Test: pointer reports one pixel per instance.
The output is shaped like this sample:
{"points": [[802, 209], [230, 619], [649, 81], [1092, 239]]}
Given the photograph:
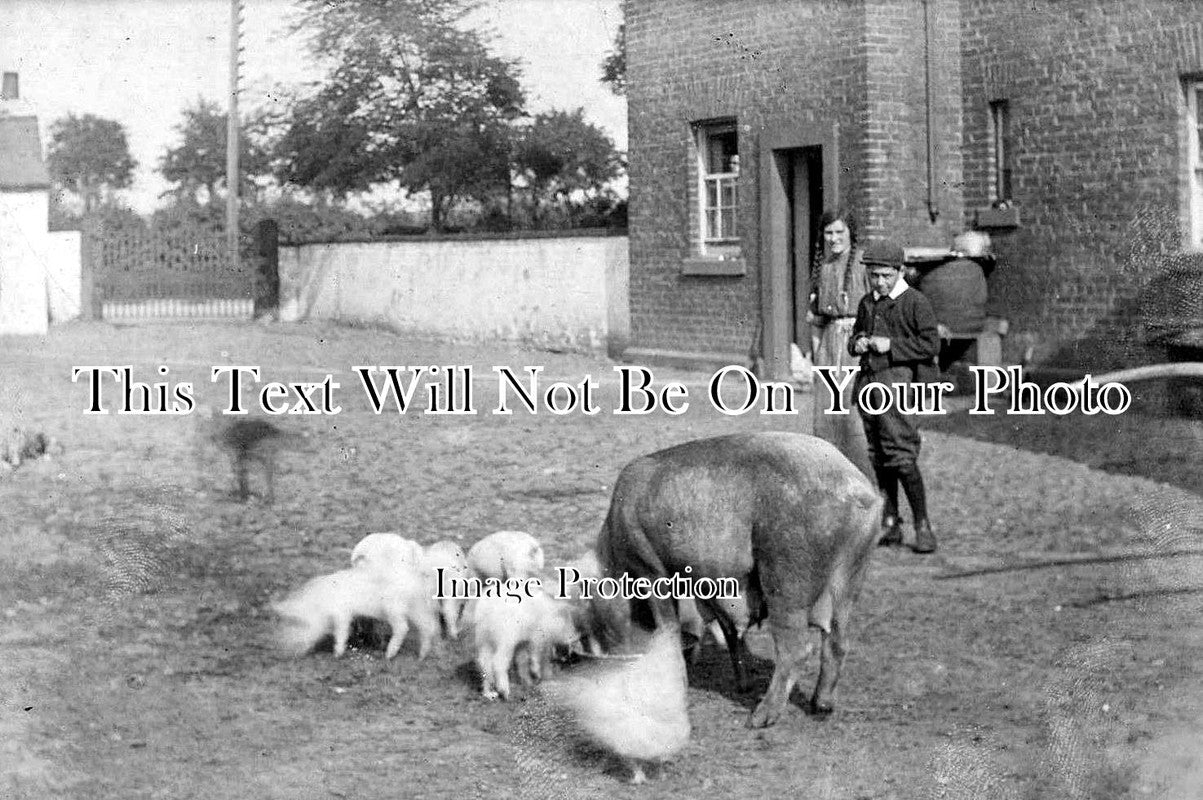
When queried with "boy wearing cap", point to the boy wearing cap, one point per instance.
{"points": [[897, 338]]}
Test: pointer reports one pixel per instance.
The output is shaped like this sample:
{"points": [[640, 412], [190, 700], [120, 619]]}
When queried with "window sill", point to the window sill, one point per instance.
{"points": [[712, 265], [998, 218]]}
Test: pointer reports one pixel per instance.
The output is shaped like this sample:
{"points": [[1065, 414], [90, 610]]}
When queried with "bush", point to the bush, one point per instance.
{"points": [[189, 215], [303, 222]]}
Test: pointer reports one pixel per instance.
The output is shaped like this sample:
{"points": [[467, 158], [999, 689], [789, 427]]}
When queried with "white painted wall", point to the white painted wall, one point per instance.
{"points": [[63, 275], [24, 249], [570, 290]]}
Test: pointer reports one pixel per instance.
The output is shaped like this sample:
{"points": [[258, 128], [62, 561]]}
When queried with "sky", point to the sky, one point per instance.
{"points": [[141, 62]]}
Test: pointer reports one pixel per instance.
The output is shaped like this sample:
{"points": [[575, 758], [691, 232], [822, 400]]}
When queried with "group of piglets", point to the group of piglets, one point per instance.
{"points": [[635, 707], [396, 580]]}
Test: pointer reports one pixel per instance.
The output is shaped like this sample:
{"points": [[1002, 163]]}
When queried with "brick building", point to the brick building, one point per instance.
{"points": [[1069, 129]]}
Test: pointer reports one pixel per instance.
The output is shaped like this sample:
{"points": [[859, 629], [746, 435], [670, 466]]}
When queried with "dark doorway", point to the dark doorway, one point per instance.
{"points": [[804, 179], [797, 179]]}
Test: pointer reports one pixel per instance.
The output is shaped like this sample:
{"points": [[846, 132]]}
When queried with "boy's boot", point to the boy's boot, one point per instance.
{"points": [[925, 540], [916, 495], [891, 525]]}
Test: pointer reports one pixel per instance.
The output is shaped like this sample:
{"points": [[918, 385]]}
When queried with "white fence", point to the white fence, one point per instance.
{"points": [[568, 290], [176, 309]]}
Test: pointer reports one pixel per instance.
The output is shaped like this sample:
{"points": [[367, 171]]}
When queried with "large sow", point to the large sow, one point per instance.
{"points": [[786, 515]]}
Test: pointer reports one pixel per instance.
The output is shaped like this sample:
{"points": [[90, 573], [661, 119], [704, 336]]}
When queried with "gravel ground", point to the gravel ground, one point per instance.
{"points": [[1050, 648]]}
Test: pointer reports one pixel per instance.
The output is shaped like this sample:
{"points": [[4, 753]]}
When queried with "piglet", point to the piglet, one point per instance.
{"points": [[385, 550], [506, 627], [449, 557], [326, 605], [506, 554]]}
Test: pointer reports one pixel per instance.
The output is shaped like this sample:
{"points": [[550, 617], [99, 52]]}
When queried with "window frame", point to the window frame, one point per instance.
{"points": [[723, 241], [1000, 151], [1193, 87]]}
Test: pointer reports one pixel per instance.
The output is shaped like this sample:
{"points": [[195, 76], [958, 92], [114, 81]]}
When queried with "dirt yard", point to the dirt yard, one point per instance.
{"points": [[1051, 648]]}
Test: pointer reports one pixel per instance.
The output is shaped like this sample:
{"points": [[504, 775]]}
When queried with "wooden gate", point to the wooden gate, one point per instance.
{"points": [[178, 273]]}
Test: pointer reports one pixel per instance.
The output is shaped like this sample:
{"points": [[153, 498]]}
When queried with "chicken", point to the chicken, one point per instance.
{"points": [[635, 709]]}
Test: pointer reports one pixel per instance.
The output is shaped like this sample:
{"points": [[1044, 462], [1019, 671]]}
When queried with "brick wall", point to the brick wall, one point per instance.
{"points": [[894, 144], [857, 64], [1097, 133], [1096, 124], [692, 60]]}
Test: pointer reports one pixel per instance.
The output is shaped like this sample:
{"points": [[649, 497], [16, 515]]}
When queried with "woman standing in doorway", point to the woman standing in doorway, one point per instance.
{"points": [[838, 283]]}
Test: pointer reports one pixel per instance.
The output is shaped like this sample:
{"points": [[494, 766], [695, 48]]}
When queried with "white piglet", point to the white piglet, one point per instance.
{"points": [[584, 567], [384, 550], [526, 628], [449, 557], [506, 554], [326, 605]]}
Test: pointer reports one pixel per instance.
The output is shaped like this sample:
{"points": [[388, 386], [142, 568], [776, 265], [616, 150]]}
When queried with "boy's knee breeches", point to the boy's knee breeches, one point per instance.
{"points": [[894, 439]]}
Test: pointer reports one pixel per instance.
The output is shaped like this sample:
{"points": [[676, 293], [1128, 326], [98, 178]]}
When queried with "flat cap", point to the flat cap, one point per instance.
{"points": [[882, 254]]}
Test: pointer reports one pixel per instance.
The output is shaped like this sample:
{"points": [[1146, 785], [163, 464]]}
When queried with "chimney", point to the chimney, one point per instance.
{"points": [[9, 90]]}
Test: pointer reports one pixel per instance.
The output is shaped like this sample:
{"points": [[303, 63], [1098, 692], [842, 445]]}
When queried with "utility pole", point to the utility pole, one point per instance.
{"points": [[232, 130]]}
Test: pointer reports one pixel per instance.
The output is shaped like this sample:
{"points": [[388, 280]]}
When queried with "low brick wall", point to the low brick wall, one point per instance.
{"points": [[561, 291]]}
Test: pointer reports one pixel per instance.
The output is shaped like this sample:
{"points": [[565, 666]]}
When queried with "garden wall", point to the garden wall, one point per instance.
{"points": [[564, 290]]}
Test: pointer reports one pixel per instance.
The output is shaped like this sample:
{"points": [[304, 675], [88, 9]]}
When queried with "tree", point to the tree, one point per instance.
{"points": [[614, 68], [89, 155], [561, 155], [411, 97], [199, 161], [324, 144]]}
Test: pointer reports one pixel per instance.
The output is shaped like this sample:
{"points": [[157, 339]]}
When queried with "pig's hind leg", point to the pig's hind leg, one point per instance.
{"points": [[342, 633], [488, 678], [736, 647], [792, 646], [400, 627], [502, 658], [526, 664], [834, 608], [428, 631], [449, 617]]}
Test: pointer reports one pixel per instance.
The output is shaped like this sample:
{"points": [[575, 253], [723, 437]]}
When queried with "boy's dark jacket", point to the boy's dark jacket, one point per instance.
{"points": [[910, 324]]}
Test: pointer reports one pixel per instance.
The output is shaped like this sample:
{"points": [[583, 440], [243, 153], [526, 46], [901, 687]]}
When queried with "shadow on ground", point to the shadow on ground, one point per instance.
{"points": [[1164, 449]]}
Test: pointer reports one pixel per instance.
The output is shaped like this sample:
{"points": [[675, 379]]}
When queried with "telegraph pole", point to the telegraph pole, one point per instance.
{"points": [[232, 130]]}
